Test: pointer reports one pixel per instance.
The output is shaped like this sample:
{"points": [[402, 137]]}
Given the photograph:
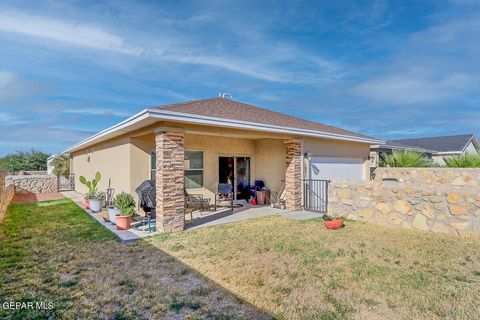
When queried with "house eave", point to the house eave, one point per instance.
{"points": [[416, 149], [255, 126], [447, 153], [155, 114]]}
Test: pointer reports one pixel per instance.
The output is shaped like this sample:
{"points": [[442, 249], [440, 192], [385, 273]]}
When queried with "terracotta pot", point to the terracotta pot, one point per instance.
{"points": [[123, 222], [87, 203], [334, 224]]}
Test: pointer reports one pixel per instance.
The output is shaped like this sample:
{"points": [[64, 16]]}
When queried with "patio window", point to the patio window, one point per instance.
{"points": [[193, 169]]}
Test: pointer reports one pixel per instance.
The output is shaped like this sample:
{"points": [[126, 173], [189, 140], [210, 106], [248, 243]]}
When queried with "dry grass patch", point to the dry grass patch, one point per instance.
{"points": [[299, 270], [291, 270], [52, 251]]}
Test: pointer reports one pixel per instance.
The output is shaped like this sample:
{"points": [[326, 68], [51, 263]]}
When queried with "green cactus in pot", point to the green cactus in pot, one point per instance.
{"points": [[91, 184]]}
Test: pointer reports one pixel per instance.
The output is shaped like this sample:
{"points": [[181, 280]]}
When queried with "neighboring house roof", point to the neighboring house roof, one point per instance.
{"points": [[230, 109], [393, 145], [226, 113], [443, 144]]}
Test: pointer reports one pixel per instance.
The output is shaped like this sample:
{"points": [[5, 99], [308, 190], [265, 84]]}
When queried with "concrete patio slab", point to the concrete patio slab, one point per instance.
{"points": [[246, 213], [200, 220], [37, 197], [123, 235]]}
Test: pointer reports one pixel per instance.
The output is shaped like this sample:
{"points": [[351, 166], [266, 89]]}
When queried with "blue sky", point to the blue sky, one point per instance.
{"points": [[389, 69]]}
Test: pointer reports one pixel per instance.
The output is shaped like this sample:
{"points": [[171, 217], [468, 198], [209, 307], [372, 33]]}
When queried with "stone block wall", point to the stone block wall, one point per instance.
{"points": [[26, 172], [33, 183], [6, 195], [293, 175], [170, 194], [457, 177], [2, 177], [442, 209]]}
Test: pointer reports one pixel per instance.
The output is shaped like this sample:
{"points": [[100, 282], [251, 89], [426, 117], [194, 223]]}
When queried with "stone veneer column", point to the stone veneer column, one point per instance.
{"points": [[170, 179], [293, 176]]}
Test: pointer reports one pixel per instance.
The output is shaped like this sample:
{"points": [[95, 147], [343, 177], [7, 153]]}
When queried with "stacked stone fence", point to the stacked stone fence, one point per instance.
{"points": [[438, 208], [26, 172], [455, 177], [33, 183], [6, 194]]}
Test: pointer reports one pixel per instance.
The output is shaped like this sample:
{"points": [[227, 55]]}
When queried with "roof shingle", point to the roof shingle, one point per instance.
{"points": [[233, 110], [440, 144]]}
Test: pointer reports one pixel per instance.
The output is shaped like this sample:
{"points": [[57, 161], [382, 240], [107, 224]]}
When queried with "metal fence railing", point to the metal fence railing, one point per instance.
{"points": [[66, 183], [315, 195]]}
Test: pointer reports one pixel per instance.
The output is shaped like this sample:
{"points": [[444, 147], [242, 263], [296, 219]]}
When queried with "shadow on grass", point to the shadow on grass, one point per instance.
{"points": [[53, 252]]}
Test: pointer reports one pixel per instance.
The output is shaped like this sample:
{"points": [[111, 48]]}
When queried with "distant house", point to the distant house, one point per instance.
{"points": [[435, 148], [50, 165]]}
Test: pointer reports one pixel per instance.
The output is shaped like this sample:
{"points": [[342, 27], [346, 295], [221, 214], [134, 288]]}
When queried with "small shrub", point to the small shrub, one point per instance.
{"points": [[125, 203], [402, 159], [61, 165], [463, 161]]}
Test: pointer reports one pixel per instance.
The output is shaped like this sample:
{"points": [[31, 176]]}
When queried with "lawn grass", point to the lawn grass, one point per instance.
{"points": [[299, 270], [53, 252], [268, 267]]}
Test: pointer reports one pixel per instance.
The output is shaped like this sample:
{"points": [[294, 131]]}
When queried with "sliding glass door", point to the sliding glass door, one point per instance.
{"points": [[235, 171]]}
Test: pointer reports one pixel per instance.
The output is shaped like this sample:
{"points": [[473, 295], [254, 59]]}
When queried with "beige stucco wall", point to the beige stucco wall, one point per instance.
{"points": [[339, 149], [126, 159], [140, 164], [111, 159], [270, 162], [213, 147]]}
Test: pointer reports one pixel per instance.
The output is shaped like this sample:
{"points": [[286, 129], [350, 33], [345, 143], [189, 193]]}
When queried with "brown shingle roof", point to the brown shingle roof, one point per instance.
{"points": [[230, 109]]}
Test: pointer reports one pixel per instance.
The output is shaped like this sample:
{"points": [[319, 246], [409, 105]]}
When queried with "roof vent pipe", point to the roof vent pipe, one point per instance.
{"points": [[225, 95]]}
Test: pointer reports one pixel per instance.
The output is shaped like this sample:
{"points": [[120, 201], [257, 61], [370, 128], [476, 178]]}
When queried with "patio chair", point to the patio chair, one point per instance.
{"points": [[225, 193], [196, 202]]}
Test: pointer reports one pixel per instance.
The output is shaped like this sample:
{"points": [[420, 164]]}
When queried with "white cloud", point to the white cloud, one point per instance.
{"points": [[6, 79], [63, 31], [407, 131], [9, 119], [98, 111], [435, 66], [264, 63], [409, 87]]}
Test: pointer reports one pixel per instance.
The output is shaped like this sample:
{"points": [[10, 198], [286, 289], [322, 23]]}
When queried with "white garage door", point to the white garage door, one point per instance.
{"points": [[336, 168]]}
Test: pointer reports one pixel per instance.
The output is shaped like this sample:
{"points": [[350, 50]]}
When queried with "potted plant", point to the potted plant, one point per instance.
{"points": [[332, 223], [93, 199], [112, 212], [126, 205]]}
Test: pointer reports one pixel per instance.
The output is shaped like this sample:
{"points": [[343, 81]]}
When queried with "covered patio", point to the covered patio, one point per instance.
{"points": [[196, 160]]}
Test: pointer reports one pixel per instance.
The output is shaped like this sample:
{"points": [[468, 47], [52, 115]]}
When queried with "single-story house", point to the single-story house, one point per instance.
{"points": [[198, 144], [435, 148], [50, 165], [390, 146]]}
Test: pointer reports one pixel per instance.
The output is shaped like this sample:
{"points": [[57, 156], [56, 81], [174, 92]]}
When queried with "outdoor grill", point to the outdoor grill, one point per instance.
{"points": [[146, 196]]}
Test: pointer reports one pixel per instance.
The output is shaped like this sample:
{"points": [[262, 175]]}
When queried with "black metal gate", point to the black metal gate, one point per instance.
{"points": [[66, 183], [315, 195]]}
